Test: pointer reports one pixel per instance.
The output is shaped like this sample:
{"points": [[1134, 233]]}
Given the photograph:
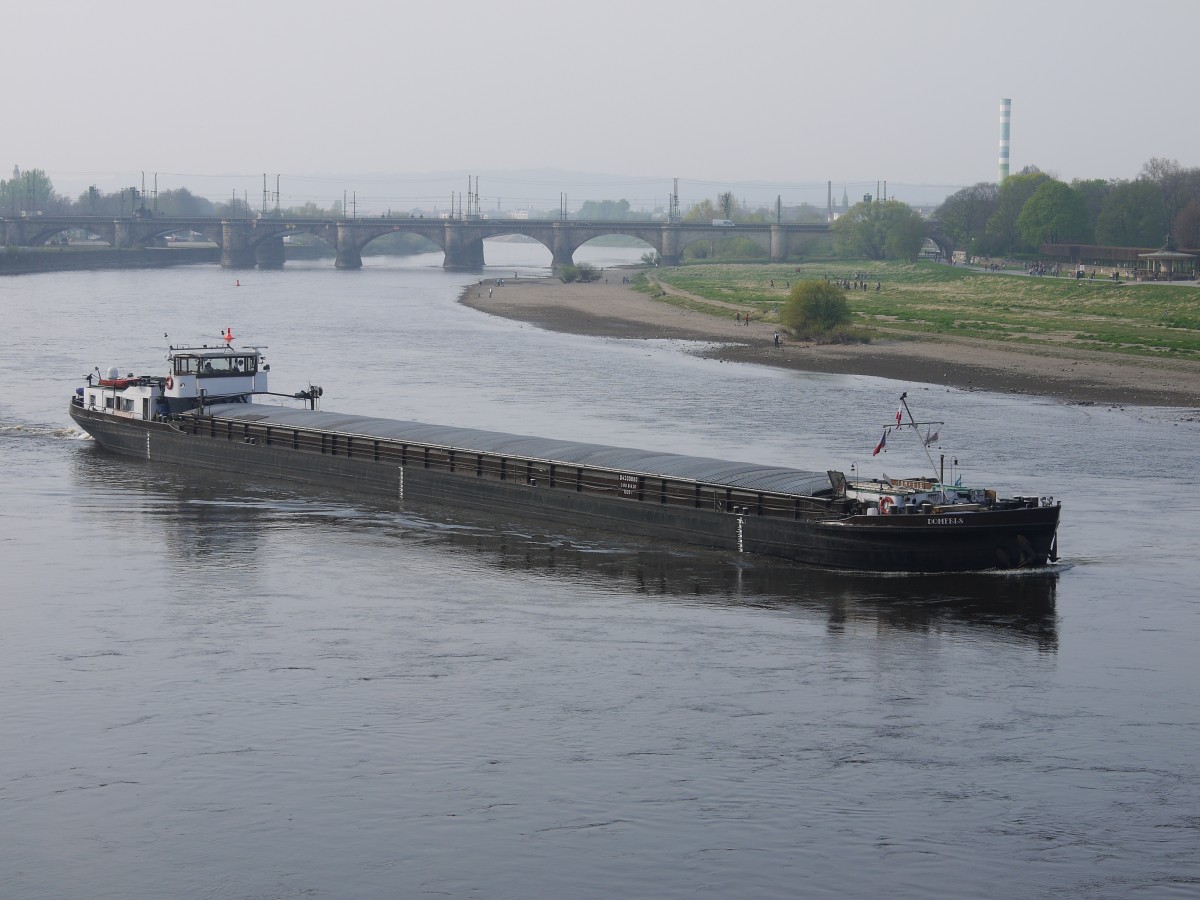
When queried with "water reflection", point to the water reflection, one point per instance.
{"points": [[1018, 608], [215, 520]]}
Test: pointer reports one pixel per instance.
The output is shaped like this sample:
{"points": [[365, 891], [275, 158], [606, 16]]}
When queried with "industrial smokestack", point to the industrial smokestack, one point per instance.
{"points": [[1005, 119]]}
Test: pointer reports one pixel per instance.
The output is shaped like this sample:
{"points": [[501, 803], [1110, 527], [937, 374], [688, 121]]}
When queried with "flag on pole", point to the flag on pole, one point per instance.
{"points": [[958, 481], [882, 443], [899, 414], [933, 438]]}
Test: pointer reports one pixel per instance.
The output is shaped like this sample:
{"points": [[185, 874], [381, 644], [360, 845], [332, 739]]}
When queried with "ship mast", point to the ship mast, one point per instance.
{"points": [[936, 477]]}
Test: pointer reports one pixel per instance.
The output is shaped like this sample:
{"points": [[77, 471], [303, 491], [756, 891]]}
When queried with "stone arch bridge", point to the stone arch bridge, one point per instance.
{"points": [[250, 242]]}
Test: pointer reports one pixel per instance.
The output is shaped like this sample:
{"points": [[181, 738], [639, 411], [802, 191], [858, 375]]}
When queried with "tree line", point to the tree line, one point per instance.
{"points": [[32, 192], [1034, 208]]}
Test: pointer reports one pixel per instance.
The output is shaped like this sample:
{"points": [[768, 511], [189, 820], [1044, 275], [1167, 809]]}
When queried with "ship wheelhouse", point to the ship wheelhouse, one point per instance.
{"points": [[195, 376], [200, 374]]}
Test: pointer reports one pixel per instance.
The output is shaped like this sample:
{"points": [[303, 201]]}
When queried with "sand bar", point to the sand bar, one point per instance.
{"points": [[614, 309]]}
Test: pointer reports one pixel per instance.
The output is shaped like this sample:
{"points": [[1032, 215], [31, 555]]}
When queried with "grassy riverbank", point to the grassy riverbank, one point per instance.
{"points": [[926, 300]]}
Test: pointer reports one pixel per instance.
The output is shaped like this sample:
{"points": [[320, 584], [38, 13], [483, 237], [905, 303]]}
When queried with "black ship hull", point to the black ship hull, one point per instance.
{"points": [[813, 530]]}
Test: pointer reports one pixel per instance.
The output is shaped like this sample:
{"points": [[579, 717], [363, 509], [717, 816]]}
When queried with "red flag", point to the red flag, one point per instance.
{"points": [[882, 443], [899, 415]]}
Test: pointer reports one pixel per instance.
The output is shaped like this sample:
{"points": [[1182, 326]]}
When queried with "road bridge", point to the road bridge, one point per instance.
{"points": [[259, 241]]}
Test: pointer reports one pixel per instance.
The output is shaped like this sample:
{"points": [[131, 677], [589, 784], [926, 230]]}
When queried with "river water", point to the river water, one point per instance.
{"points": [[214, 686]]}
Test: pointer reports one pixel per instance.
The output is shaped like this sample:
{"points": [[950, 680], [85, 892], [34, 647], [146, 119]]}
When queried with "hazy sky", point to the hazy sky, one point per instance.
{"points": [[715, 93]]}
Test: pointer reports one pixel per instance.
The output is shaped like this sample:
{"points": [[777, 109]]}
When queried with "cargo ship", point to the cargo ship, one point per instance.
{"points": [[212, 409]]}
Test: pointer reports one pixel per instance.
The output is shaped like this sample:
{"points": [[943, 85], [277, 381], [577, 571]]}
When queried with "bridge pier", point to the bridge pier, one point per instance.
{"points": [[462, 253], [236, 252], [671, 253], [779, 244], [349, 252], [269, 254], [562, 251], [122, 235]]}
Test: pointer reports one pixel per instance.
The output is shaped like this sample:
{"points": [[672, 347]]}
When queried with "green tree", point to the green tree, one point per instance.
{"points": [[182, 202], [1054, 214], [701, 213], [1002, 234], [964, 215], [814, 308], [1132, 216], [1177, 185], [1094, 192], [606, 211], [308, 210], [705, 211], [31, 192], [891, 230], [1186, 227], [234, 208]]}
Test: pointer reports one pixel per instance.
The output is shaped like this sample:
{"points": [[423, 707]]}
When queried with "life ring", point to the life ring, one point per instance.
{"points": [[885, 504], [170, 382]]}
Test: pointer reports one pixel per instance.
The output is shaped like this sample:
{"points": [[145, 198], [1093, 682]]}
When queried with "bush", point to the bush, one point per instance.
{"points": [[815, 309], [581, 272]]}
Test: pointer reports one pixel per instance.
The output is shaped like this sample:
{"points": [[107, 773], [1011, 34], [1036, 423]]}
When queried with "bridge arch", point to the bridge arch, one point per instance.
{"points": [[265, 245], [465, 250], [39, 236], [761, 238], [944, 244], [642, 242], [402, 232], [576, 235]]}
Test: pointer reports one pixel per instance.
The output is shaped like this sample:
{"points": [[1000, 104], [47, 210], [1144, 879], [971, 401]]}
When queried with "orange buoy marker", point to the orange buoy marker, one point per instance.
{"points": [[227, 334]]}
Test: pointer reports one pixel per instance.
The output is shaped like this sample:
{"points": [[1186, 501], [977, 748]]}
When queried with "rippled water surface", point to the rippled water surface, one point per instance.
{"points": [[215, 686]]}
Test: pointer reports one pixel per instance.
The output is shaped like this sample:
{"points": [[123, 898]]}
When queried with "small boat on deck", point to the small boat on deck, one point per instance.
{"points": [[205, 413]]}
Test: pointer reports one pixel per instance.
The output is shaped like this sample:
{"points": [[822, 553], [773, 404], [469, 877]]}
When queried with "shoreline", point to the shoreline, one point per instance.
{"points": [[616, 310]]}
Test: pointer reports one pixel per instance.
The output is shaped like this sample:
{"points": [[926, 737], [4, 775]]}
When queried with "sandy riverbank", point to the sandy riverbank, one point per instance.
{"points": [[614, 309]]}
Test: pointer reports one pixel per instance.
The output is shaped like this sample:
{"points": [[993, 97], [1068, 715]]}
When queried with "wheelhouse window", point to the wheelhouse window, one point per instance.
{"points": [[216, 366]]}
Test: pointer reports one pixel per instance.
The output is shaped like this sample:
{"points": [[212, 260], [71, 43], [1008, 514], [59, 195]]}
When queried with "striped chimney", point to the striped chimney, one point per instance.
{"points": [[1005, 119]]}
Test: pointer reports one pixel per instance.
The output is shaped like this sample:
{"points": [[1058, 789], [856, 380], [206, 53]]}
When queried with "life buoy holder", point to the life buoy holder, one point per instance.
{"points": [[170, 383], [885, 505]]}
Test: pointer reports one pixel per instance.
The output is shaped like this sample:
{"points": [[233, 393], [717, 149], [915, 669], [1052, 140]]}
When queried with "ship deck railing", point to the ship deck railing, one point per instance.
{"points": [[533, 472]]}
